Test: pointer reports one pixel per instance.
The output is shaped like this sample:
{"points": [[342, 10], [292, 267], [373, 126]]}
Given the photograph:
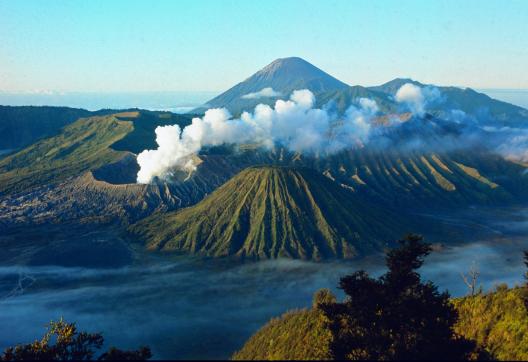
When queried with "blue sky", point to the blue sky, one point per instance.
{"points": [[210, 45]]}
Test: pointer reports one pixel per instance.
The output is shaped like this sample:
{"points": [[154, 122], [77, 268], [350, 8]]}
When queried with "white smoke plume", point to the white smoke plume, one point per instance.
{"points": [[294, 124], [417, 98], [512, 142], [263, 93]]}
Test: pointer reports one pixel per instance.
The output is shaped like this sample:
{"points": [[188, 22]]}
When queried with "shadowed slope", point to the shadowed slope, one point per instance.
{"points": [[270, 212]]}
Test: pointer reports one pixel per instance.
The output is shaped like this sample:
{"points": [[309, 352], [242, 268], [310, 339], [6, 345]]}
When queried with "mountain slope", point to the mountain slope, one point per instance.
{"points": [[344, 98], [270, 212], [81, 146], [282, 75], [21, 126], [87, 144], [486, 110]]}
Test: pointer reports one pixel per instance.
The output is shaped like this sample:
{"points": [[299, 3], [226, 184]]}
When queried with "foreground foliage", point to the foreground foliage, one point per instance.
{"points": [[396, 316], [498, 321], [296, 335], [63, 342], [418, 322]]}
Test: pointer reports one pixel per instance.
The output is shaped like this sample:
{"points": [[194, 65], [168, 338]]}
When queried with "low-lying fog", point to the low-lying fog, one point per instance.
{"points": [[187, 308]]}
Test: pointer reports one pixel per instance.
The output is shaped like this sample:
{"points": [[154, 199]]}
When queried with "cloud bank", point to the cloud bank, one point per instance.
{"points": [[294, 124], [263, 93]]}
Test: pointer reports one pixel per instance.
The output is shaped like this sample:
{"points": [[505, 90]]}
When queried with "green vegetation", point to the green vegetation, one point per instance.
{"points": [[296, 335], [87, 144], [21, 126], [270, 212], [498, 321], [81, 146], [62, 342], [495, 323], [142, 136], [395, 316]]}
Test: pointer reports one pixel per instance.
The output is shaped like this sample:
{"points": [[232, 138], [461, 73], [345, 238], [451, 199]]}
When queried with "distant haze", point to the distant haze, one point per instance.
{"points": [[177, 102], [519, 97]]}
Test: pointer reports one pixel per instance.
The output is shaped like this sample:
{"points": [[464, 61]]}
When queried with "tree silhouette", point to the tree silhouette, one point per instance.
{"points": [[396, 316], [62, 342]]}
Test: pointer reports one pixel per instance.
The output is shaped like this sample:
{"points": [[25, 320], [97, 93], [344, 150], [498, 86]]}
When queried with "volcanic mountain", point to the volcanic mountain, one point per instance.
{"points": [[270, 212], [280, 78], [283, 76]]}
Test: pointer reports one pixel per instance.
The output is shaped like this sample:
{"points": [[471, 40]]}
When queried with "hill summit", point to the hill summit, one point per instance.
{"points": [[270, 212], [277, 79]]}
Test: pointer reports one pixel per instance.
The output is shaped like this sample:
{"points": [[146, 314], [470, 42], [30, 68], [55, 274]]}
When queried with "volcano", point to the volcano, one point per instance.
{"points": [[270, 212], [283, 76]]}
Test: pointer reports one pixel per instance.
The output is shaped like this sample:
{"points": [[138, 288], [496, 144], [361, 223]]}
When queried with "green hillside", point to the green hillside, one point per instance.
{"points": [[81, 146], [393, 178], [145, 122], [87, 144], [498, 321], [270, 212], [296, 335], [21, 126]]}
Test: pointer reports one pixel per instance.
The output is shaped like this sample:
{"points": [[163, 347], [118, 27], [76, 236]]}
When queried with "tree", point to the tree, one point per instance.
{"points": [[323, 296], [62, 342], [396, 316], [471, 280]]}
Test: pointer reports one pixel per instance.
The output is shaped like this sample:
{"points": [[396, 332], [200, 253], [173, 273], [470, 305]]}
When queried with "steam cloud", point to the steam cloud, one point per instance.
{"points": [[293, 123], [417, 98], [512, 143], [300, 127], [263, 93]]}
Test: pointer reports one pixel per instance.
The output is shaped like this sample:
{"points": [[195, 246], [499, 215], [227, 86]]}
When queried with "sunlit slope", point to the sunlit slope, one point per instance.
{"points": [[270, 212], [496, 321], [416, 178], [86, 145], [395, 178], [81, 146]]}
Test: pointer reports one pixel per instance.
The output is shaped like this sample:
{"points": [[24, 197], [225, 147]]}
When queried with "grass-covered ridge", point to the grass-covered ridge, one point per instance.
{"points": [[296, 335], [269, 212], [83, 145]]}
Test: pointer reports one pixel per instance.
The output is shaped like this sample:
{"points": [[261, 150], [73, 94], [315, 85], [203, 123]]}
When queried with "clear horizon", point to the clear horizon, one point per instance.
{"points": [[117, 46]]}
